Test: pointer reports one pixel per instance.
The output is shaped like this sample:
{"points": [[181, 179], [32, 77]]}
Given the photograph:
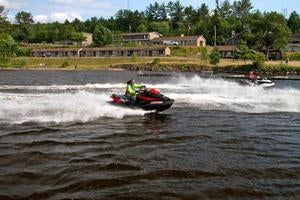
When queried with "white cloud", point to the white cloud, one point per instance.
{"points": [[10, 4], [11, 18], [72, 1], [60, 17], [41, 18], [63, 16], [85, 4]]}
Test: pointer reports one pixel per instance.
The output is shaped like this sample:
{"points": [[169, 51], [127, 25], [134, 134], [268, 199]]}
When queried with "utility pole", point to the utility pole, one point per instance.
{"points": [[233, 43], [129, 26], [215, 28]]}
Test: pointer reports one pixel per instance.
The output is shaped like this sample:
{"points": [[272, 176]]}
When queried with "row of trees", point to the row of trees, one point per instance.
{"points": [[234, 22]]}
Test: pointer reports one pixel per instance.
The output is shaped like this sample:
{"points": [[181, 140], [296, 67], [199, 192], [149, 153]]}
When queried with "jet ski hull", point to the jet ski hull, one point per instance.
{"points": [[264, 83], [157, 105]]}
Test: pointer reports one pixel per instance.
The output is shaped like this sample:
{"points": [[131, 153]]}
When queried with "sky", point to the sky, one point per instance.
{"points": [[60, 10]]}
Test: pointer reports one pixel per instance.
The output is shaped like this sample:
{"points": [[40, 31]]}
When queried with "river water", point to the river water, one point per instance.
{"points": [[60, 139]]}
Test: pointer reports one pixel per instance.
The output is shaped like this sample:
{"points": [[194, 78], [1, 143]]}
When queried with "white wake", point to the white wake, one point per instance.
{"points": [[60, 103], [219, 94], [59, 108]]}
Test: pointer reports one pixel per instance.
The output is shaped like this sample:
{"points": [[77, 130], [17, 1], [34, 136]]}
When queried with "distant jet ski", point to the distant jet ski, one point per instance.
{"points": [[146, 99], [265, 83]]}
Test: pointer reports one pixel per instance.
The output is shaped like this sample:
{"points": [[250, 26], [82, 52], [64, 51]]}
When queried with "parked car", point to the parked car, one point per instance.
{"points": [[170, 42]]}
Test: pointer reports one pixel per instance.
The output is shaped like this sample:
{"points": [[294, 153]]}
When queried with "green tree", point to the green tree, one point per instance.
{"points": [[203, 28], [23, 33], [24, 30], [4, 24], [156, 12], [269, 31], [8, 49], [24, 18], [78, 25], [52, 34], [77, 37], [66, 32], [128, 21], [189, 15], [245, 53], [242, 9], [141, 28], [102, 36], [294, 22], [161, 27], [226, 9], [203, 12], [224, 28], [214, 57], [90, 24], [175, 11]]}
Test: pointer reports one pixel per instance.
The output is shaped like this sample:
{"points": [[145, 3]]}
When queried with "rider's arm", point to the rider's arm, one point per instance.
{"points": [[137, 86]]}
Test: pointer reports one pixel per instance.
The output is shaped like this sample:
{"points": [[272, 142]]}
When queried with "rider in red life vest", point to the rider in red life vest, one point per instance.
{"points": [[252, 76]]}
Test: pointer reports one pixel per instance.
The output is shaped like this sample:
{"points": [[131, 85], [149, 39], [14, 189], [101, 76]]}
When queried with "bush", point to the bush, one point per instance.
{"points": [[259, 60], [245, 68], [183, 67], [283, 68], [178, 51], [204, 54], [276, 69], [4, 63], [65, 64], [214, 57], [156, 61]]}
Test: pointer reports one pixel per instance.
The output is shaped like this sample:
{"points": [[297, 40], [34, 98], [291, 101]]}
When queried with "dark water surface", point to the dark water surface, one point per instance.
{"points": [[60, 139]]}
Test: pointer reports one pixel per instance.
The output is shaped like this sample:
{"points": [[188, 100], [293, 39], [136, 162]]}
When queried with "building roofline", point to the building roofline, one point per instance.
{"points": [[142, 33], [102, 49], [179, 37]]}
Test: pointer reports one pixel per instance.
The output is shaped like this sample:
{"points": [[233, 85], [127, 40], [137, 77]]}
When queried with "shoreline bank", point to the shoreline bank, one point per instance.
{"points": [[203, 72], [150, 64]]}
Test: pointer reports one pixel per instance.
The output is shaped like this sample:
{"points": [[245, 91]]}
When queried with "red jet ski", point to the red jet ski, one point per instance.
{"points": [[146, 99]]}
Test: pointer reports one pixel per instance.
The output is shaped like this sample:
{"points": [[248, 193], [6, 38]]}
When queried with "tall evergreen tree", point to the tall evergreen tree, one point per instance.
{"points": [[294, 22], [24, 18], [4, 24]]}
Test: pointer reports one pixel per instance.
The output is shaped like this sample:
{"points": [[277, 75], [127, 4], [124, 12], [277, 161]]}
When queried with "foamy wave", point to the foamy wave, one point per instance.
{"points": [[228, 95], [84, 106], [59, 108]]}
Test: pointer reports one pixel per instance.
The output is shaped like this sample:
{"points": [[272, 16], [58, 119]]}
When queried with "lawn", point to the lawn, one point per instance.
{"points": [[107, 62]]}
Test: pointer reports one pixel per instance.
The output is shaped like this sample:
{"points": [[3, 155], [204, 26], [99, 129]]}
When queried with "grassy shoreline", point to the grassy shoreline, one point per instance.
{"points": [[150, 64]]}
